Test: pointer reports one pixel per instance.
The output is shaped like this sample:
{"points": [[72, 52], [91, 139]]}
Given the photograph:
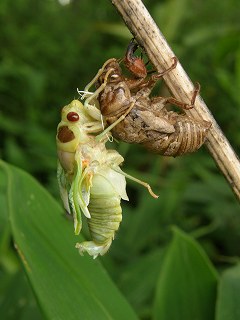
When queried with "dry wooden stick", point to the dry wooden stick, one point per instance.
{"points": [[146, 32]]}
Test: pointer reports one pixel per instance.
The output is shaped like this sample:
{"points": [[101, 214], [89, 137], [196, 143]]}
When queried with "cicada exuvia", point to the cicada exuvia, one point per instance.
{"points": [[135, 117]]}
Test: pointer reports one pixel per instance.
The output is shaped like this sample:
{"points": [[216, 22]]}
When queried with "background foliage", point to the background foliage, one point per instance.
{"points": [[47, 51]]}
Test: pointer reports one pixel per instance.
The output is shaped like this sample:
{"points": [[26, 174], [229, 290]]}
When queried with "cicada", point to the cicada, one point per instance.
{"points": [[136, 117], [89, 175]]}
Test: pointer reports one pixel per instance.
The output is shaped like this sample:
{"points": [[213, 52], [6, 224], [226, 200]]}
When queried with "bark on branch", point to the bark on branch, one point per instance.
{"points": [[146, 32]]}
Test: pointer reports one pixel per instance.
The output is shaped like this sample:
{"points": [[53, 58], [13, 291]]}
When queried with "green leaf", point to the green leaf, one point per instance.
{"points": [[187, 285], [3, 201], [228, 303], [18, 301], [138, 288], [66, 285]]}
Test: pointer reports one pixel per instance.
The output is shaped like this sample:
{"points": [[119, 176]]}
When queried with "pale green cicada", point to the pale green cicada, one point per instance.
{"points": [[90, 179]]}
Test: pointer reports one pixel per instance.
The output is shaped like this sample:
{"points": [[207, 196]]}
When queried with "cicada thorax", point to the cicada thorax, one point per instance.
{"points": [[114, 100], [116, 96], [132, 129]]}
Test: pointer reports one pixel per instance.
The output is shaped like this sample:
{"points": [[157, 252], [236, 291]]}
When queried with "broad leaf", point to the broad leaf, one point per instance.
{"points": [[17, 301], [66, 285], [228, 303], [187, 284]]}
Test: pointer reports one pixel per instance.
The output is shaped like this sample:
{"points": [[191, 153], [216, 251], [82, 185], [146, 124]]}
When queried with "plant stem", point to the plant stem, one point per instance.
{"points": [[148, 35]]}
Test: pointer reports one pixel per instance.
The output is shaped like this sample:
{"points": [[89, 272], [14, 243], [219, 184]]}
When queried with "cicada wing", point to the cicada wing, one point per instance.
{"points": [[79, 195], [84, 187], [155, 123], [117, 180], [69, 194], [63, 187]]}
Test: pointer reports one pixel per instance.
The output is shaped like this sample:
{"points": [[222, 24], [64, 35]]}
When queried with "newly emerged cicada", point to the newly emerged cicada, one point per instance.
{"points": [[89, 175], [135, 117]]}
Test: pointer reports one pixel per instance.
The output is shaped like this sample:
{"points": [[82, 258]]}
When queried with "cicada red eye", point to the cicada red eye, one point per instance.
{"points": [[73, 116]]}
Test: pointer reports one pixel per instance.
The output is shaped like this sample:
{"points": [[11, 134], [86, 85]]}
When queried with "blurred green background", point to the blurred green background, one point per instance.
{"points": [[48, 50]]}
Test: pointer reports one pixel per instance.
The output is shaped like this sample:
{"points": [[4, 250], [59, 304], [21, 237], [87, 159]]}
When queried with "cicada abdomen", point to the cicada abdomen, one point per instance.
{"points": [[188, 136], [90, 179], [106, 215]]}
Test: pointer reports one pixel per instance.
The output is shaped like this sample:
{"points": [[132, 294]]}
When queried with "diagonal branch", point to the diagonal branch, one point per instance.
{"points": [[146, 32]]}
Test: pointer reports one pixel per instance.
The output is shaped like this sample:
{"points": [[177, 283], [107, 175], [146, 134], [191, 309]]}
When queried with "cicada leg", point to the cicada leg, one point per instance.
{"points": [[145, 184], [92, 110], [92, 248], [147, 86], [99, 73], [94, 126], [91, 107], [184, 105]]}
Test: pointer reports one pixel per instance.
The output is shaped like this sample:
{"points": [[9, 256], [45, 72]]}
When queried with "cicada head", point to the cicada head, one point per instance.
{"points": [[134, 64], [74, 114], [111, 74], [70, 132]]}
